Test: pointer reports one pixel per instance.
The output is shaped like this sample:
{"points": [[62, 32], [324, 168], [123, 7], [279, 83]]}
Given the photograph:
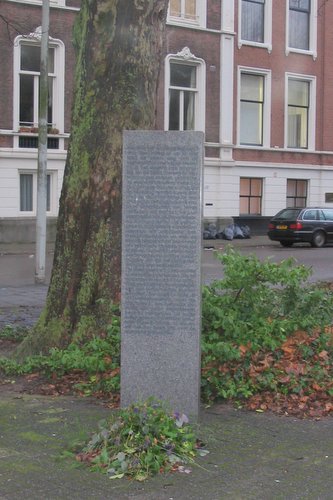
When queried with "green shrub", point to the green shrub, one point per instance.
{"points": [[251, 312], [13, 333], [98, 356]]}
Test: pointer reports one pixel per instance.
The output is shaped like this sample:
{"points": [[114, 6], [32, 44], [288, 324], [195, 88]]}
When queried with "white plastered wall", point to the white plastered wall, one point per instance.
{"points": [[221, 186], [11, 165]]}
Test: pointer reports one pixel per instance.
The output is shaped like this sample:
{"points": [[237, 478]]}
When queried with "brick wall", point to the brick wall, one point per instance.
{"points": [[24, 19]]}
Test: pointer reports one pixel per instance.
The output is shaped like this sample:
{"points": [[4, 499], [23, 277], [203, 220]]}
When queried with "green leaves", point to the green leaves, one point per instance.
{"points": [[248, 317], [141, 440], [12, 333], [98, 360]]}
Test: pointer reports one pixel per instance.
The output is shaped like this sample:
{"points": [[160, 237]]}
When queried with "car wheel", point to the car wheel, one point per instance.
{"points": [[318, 239], [286, 243]]}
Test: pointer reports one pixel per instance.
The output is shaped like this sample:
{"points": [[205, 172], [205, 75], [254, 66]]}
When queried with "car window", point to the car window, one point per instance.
{"points": [[328, 214], [310, 215], [287, 214], [321, 215]]}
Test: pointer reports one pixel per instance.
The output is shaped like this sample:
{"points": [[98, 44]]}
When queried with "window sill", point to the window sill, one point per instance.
{"points": [[276, 148], [260, 147], [311, 53], [247, 43], [299, 150], [184, 23], [58, 4]]}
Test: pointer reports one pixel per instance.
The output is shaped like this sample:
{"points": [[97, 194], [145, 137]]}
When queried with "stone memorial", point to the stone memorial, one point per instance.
{"points": [[161, 268]]}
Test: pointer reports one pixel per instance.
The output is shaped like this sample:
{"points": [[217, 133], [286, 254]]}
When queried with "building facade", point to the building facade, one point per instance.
{"points": [[254, 75], [20, 35]]}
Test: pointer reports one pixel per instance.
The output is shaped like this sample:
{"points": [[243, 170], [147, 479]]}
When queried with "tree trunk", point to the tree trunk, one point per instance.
{"points": [[119, 48]]}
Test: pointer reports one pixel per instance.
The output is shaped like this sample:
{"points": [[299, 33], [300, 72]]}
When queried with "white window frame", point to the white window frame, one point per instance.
{"points": [[312, 35], [312, 110], [57, 3], [200, 21], [53, 193], [267, 43], [58, 107], [186, 57], [266, 132]]}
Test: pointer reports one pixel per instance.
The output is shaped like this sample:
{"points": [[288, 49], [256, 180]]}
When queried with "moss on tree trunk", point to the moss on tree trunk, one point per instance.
{"points": [[119, 49]]}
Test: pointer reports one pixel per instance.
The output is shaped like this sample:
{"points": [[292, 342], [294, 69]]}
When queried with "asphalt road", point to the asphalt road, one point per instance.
{"points": [[17, 270]]}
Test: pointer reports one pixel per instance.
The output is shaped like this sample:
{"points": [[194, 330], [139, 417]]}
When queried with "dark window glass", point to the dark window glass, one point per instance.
{"points": [[310, 215], [182, 75], [174, 110], [298, 113], [26, 99], [182, 96], [26, 183], [32, 142], [251, 109], [30, 58], [328, 213], [48, 193], [50, 101]]}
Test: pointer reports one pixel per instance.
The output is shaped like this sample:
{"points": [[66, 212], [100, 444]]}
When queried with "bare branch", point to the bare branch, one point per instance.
{"points": [[14, 28]]}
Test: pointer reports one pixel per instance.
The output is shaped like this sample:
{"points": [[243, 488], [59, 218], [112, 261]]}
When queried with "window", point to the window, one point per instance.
{"points": [[255, 23], [187, 12], [185, 95], [185, 9], [28, 192], [183, 90], [254, 107], [328, 197], [298, 113], [299, 24], [29, 85], [328, 214], [251, 109], [250, 196], [253, 20], [26, 89], [302, 25], [297, 193], [32, 142], [311, 215]]}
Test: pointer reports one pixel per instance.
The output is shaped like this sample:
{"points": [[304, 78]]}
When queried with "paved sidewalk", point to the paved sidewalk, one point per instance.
{"points": [[21, 300], [253, 456]]}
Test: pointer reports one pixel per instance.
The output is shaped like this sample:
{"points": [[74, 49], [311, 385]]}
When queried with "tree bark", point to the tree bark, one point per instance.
{"points": [[119, 48]]}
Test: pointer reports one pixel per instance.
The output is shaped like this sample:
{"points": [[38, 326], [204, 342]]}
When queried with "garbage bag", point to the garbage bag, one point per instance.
{"points": [[212, 230], [246, 231], [238, 233], [229, 233]]}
